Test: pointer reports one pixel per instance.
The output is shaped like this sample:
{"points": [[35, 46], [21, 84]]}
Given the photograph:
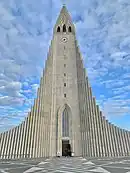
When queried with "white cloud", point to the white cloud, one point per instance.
{"points": [[11, 101], [114, 107]]}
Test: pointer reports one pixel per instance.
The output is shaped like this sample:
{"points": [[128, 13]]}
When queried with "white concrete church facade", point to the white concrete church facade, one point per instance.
{"points": [[64, 114]]}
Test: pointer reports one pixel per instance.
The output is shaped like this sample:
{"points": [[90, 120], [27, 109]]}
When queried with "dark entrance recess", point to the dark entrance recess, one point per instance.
{"points": [[66, 148]]}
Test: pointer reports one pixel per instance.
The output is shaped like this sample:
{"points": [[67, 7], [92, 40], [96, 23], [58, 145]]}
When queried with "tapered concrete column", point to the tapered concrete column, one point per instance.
{"points": [[112, 140], [12, 143], [5, 146], [33, 131], [86, 122], [15, 143], [102, 133], [44, 134], [91, 125], [43, 122], [99, 132], [39, 122], [40, 118], [36, 126], [20, 140], [88, 119], [85, 116], [104, 143], [24, 138], [128, 139], [30, 131], [115, 140], [109, 138], [1, 144], [106, 150], [118, 142], [95, 129], [35, 134], [126, 142], [53, 110], [9, 144], [27, 136], [33, 143], [121, 142], [82, 116]]}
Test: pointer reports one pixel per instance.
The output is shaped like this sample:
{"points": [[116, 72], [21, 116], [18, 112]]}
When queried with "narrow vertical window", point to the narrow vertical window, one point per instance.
{"points": [[64, 65], [65, 95], [64, 28], [64, 74], [70, 30], [64, 84], [58, 29], [65, 123]]}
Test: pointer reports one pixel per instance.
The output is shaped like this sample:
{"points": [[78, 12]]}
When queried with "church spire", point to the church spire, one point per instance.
{"points": [[64, 21]]}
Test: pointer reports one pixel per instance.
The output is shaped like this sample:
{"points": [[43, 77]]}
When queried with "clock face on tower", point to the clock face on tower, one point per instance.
{"points": [[64, 39]]}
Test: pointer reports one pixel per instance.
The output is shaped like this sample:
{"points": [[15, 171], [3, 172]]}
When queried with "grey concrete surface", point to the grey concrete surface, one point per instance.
{"points": [[67, 165]]}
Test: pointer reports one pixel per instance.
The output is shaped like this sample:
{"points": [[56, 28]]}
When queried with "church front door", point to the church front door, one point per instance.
{"points": [[66, 148]]}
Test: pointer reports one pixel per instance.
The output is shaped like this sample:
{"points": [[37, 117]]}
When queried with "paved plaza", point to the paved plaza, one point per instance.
{"points": [[67, 165]]}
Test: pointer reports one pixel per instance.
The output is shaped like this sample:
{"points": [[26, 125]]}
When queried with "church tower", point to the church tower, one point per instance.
{"points": [[64, 117], [61, 105]]}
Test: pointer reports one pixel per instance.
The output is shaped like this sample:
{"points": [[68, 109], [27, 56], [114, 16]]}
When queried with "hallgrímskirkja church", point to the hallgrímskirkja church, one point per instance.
{"points": [[64, 118]]}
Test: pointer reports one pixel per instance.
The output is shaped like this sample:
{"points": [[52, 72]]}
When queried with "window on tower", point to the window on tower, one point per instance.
{"points": [[65, 123], [58, 29], [64, 84], [65, 95], [70, 30], [64, 28]]}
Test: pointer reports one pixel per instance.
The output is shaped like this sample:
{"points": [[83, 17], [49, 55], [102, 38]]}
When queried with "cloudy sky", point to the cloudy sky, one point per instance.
{"points": [[103, 33]]}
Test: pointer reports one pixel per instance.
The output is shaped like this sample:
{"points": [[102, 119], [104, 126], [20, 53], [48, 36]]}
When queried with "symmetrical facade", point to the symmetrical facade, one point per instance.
{"points": [[65, 112]]}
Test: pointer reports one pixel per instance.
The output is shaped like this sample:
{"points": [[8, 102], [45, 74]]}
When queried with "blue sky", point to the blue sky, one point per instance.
{"points": [[103, 33]]}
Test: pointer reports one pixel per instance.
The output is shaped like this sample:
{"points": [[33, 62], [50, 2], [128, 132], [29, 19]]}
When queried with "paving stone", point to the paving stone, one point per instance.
{"points": [[67, 165]]}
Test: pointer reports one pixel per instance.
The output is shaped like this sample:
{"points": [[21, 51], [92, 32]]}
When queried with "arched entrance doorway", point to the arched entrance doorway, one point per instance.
{"points": [[66, 146]]}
